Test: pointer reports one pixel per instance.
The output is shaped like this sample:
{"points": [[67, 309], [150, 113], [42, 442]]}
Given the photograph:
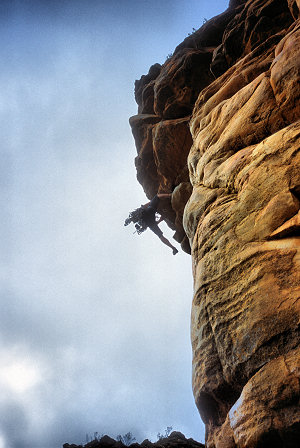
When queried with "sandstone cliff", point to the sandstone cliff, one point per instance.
{"points": [[218, 124]]}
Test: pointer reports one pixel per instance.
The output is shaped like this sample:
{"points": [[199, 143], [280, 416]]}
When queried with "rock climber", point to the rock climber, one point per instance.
{"points": [[144, 217]]}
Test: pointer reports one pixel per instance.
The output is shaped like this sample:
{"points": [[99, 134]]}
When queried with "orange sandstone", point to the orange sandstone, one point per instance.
{"points": [[219, 124]]}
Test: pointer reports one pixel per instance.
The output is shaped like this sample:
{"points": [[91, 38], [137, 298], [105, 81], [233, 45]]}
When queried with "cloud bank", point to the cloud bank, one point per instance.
{"points": [[94, 320]]}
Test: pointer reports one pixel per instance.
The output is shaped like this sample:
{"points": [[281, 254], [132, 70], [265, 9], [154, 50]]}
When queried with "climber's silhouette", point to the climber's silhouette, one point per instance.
{"points": [[144, 217]]}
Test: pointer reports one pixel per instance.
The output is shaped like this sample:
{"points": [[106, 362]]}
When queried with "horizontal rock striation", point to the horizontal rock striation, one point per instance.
{"points": [[219, 125]]}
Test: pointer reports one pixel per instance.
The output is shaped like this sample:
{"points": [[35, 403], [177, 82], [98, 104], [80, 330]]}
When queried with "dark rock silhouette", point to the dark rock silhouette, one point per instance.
{"points": [[175, 440]]}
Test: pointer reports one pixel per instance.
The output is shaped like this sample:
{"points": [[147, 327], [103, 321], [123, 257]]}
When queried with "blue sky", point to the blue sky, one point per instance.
{"points": [[94, 319]]}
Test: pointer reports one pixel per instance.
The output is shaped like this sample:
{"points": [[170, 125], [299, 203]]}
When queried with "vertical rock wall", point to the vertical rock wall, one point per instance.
{"points": [[219, 126]]}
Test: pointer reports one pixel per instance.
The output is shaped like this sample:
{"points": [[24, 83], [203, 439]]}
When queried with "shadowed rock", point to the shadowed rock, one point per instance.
{"points": [[175, 440]]}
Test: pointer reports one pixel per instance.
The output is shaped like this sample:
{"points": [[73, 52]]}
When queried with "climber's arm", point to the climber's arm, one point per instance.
{"points": [[164, 195]]}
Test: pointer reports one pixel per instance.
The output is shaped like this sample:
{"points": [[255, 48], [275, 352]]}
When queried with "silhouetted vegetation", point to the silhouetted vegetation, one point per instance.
{"points": [[194, 30], [166, 434], [127, 438]]}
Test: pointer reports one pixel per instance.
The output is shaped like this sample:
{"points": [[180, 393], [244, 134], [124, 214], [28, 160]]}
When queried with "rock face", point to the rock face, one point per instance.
{"points": [[226, 106]]}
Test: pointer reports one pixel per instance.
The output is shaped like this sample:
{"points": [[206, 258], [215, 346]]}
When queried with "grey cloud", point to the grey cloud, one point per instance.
{"points": [[14, 424], [103, 314]]}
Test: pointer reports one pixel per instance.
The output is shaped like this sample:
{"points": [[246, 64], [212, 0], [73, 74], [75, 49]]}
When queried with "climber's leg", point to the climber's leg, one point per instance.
{"points": [[167, 243], [158, 232]]}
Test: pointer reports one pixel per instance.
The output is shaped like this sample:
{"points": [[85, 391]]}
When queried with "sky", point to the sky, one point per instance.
{"points": [[95, 320]]}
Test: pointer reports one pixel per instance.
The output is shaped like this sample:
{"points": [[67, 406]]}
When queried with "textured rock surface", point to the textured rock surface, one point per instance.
{"points": [[235, 84], [175, 440]]}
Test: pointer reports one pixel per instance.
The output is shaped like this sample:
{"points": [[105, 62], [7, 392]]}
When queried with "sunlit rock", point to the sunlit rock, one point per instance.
{"points": [[238, 91]]}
